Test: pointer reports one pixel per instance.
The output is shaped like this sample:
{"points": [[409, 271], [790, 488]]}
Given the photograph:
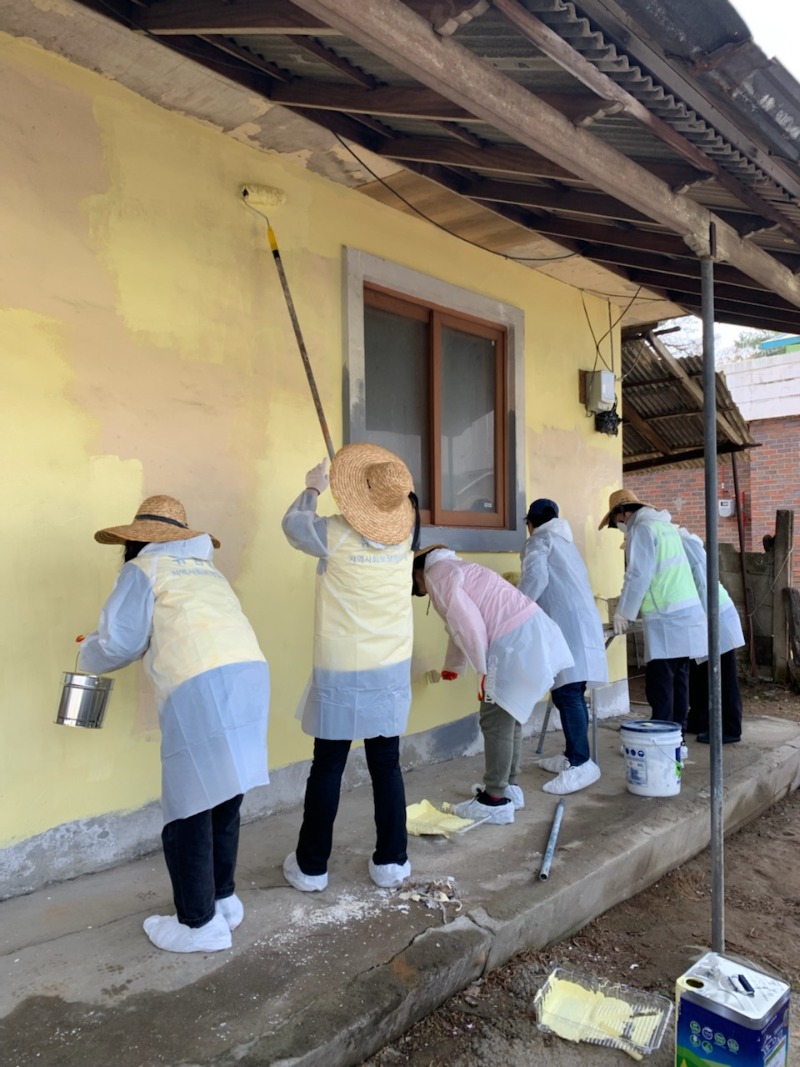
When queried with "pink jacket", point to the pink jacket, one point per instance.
{"points": [[497, 629], [477, 606]]}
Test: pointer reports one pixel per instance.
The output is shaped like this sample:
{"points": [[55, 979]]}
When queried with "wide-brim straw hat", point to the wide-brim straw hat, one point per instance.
{"points": [[159, 519], [370, 484], [617, 498]]}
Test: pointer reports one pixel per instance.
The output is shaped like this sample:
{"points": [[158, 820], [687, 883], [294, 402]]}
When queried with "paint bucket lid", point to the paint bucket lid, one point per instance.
{"points": [[650, 727]]}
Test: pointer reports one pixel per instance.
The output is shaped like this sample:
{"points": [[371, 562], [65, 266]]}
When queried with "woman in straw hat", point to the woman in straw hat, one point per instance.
{"points": [[659, 584], [360, 684], [173, 608], [517, 651]]}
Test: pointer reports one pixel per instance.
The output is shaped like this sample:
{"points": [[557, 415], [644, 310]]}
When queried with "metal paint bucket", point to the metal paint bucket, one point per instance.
{"points": [[84, 698]]}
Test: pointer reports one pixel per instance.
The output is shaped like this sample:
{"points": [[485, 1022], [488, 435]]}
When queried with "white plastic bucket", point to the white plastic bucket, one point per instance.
{"points": [[652, 757]]}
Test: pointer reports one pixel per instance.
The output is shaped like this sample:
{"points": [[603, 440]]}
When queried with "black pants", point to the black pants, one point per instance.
{"points": [[666, 686], [731, 696], [322, 802], [201, 859]]}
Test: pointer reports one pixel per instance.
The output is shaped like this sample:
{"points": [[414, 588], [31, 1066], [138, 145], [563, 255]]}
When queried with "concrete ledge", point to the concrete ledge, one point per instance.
{"points": [[327, 979]]}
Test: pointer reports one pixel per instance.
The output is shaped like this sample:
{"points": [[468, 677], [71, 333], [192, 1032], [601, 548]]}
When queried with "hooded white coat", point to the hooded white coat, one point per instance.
{"points": [[173, 608], [673, 630], [497, 630], [555, 576], [730, 625]]}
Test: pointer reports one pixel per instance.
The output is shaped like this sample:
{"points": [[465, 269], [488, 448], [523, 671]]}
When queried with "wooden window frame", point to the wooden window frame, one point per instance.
{"points": [[436, 318], [363, 271]]}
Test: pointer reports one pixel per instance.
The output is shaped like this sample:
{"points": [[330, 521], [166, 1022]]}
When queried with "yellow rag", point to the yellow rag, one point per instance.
{"points": [[424, 818]]}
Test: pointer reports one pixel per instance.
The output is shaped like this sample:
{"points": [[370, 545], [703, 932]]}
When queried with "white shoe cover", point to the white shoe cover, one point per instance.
{"points": [[574, 778], [554, 764], [306, 883], [232, 910], [389, 875], [500, 814], [513, 792], [166, 932]]}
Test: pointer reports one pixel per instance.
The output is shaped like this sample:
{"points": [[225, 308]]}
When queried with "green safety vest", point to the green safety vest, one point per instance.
{"points": [[672, 585]]}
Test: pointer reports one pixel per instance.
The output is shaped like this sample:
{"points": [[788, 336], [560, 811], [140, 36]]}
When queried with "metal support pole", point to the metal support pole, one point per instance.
{"points": [[712, 563]]}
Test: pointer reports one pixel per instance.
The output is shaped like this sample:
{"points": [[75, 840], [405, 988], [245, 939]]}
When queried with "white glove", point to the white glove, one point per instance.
{"points": [[317, 478], [621, 624]]}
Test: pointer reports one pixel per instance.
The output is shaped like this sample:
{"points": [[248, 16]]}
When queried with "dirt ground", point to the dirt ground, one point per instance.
{"points": [[646, 943]]}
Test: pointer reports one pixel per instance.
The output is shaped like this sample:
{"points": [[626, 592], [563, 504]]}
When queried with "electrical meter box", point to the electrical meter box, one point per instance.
{"points": [[600, 390], [727, 507]]}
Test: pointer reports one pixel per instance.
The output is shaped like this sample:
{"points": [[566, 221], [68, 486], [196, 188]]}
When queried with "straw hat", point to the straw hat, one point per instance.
{"points": [[371, 486], [617, 499], [158, 518], [426, 550]]}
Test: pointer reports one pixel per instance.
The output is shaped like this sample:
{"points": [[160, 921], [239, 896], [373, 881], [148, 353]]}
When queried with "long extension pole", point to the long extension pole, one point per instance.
{"points": [[260, 198], [712, 574]]}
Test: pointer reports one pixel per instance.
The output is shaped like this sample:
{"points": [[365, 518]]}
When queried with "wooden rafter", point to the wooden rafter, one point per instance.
{"points": [[693, 388], [239, 18], [389, 29]]}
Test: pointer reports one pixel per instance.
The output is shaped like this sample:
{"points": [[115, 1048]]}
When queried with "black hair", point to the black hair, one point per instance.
{"points": [[415, 504], [545, 515], [132, 550], [618, 511], [418, 565]]}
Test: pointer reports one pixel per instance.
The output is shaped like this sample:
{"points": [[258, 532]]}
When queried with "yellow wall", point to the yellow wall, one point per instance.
{"points": [[146, 348]]}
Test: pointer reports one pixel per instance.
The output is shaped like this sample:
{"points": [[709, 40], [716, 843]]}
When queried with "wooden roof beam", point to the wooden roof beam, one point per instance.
{"points": [[384, 101], [645, 430], [242, 17], [723, 449], [679, 283], [504, 159], [391, 30]]}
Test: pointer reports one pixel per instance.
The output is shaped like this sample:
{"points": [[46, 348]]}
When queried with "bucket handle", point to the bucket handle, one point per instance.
{"points": [[79, 639]]}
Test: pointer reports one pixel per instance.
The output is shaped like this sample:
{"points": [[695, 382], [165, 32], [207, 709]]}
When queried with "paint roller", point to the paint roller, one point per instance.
{"points": [[260, 198]]}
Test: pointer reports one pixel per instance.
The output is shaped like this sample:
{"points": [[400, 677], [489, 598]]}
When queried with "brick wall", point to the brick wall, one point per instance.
{"points": [[769, 480]]}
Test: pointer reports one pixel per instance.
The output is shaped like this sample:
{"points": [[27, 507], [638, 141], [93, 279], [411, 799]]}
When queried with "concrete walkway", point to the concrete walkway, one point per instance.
{"points": [[328, 978]]}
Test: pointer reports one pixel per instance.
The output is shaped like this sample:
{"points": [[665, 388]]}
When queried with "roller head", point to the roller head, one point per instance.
{"points": [[262, 198]]}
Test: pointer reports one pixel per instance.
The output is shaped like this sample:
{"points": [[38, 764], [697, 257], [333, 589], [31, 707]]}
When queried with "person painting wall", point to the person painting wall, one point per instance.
{"points": [[172, 608], [517, 652], [360, 685], [555, 576]]}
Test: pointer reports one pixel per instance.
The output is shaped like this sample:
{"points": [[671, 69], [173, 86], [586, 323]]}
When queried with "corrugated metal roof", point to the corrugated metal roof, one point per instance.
{"points": [[663, 422]]}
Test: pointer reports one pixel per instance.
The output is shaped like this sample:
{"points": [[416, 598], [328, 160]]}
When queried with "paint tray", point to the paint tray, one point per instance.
{"points": [[579, 1007]]}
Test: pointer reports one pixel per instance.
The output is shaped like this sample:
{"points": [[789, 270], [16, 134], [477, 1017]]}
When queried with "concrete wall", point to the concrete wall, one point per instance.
{"points": [[146, 349]]}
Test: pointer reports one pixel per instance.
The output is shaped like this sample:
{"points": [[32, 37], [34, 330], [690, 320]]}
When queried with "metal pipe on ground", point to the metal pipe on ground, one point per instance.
{"points": [[544, 873]]}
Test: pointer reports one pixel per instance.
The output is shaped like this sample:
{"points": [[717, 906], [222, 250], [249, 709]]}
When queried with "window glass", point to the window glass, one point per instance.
{"points": [[468, 404], [397, 385]]}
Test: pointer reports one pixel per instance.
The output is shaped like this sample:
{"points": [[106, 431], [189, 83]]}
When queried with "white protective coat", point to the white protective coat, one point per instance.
{"points": [[670, 632], [173, 608], [497, 630], [730, 625], [555, 576], [360, 683]]}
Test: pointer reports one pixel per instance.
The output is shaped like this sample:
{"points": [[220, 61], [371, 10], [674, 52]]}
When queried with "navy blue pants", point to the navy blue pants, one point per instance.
{"points": [[666, 686], [731, 696], [315, 841], [201, 856], [571, 704]]}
